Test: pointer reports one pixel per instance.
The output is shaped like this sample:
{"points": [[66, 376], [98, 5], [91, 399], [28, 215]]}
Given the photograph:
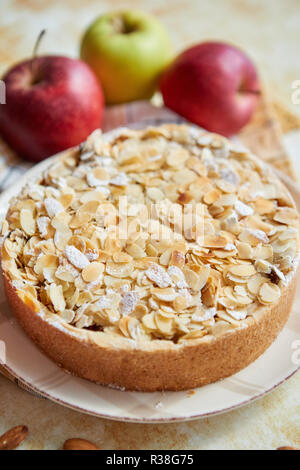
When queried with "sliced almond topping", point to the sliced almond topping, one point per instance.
{"points": [[66, 199], [4, 227], [165, 257], [180, 303], [176, 158], [209, 297], [57, 297], [164, 323], [263, 252], [129, 327], [220, 328], [215, 241], [80, 220], [286, 215], [27, 222], [196, 334], [66, 273], [242, 270], [166, 295], [135, 251], [148, 321], [212, 196], [264, 206], [255, 283], [177, 259], [92, 271], [45, 261], [263, 266], [185, 198], [192, 279], [209, 234], [155, 194], [119, 270], [225, 186], [67, 315], [159, 276], [253, 236], [245, 250], [269, 293], [184, 177], [53, 207], [75, 257], [256, 223], [242, 209], [90, 207], [122, 257]]}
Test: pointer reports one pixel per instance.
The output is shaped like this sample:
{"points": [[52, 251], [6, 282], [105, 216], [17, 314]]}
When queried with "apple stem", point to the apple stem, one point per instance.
{"points": [[121, 27], [118, 24], [36, 47]]}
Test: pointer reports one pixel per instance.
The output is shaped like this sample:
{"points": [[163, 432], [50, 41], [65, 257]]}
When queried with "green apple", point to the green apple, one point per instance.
{"points": [[127, 50]]}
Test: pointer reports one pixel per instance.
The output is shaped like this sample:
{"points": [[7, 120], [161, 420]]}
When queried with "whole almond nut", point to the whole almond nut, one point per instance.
{"points": [[13, 438], [287, 448], [79, 444]]}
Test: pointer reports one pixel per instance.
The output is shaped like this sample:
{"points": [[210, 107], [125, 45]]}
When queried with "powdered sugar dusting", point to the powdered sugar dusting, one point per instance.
{"points": [[258, 234], [238, 315], [177, 276], [242, 209], [103, 302], [159, 276], [207, 315], [53, 207], [78, 259], [67, 267], [120, 180], [43, 223], [128, 302]]}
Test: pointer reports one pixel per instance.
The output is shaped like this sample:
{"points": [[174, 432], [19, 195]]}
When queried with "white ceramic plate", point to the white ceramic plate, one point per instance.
{"points": [[37, 373]]}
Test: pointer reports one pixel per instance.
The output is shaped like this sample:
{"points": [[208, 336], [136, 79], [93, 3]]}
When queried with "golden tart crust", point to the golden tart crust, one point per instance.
{"points": [[194, 287]]}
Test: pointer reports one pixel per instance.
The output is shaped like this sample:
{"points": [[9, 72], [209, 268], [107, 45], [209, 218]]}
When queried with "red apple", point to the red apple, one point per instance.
{"points": [[52, 103], [214, 85]]}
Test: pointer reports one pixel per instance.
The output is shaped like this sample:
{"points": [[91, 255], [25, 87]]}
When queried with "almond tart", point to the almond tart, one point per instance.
{"points": [[154, 259]]}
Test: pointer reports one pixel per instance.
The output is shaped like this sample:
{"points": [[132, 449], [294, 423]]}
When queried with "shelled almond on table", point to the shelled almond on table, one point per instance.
{"points": [[13, 438]]}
